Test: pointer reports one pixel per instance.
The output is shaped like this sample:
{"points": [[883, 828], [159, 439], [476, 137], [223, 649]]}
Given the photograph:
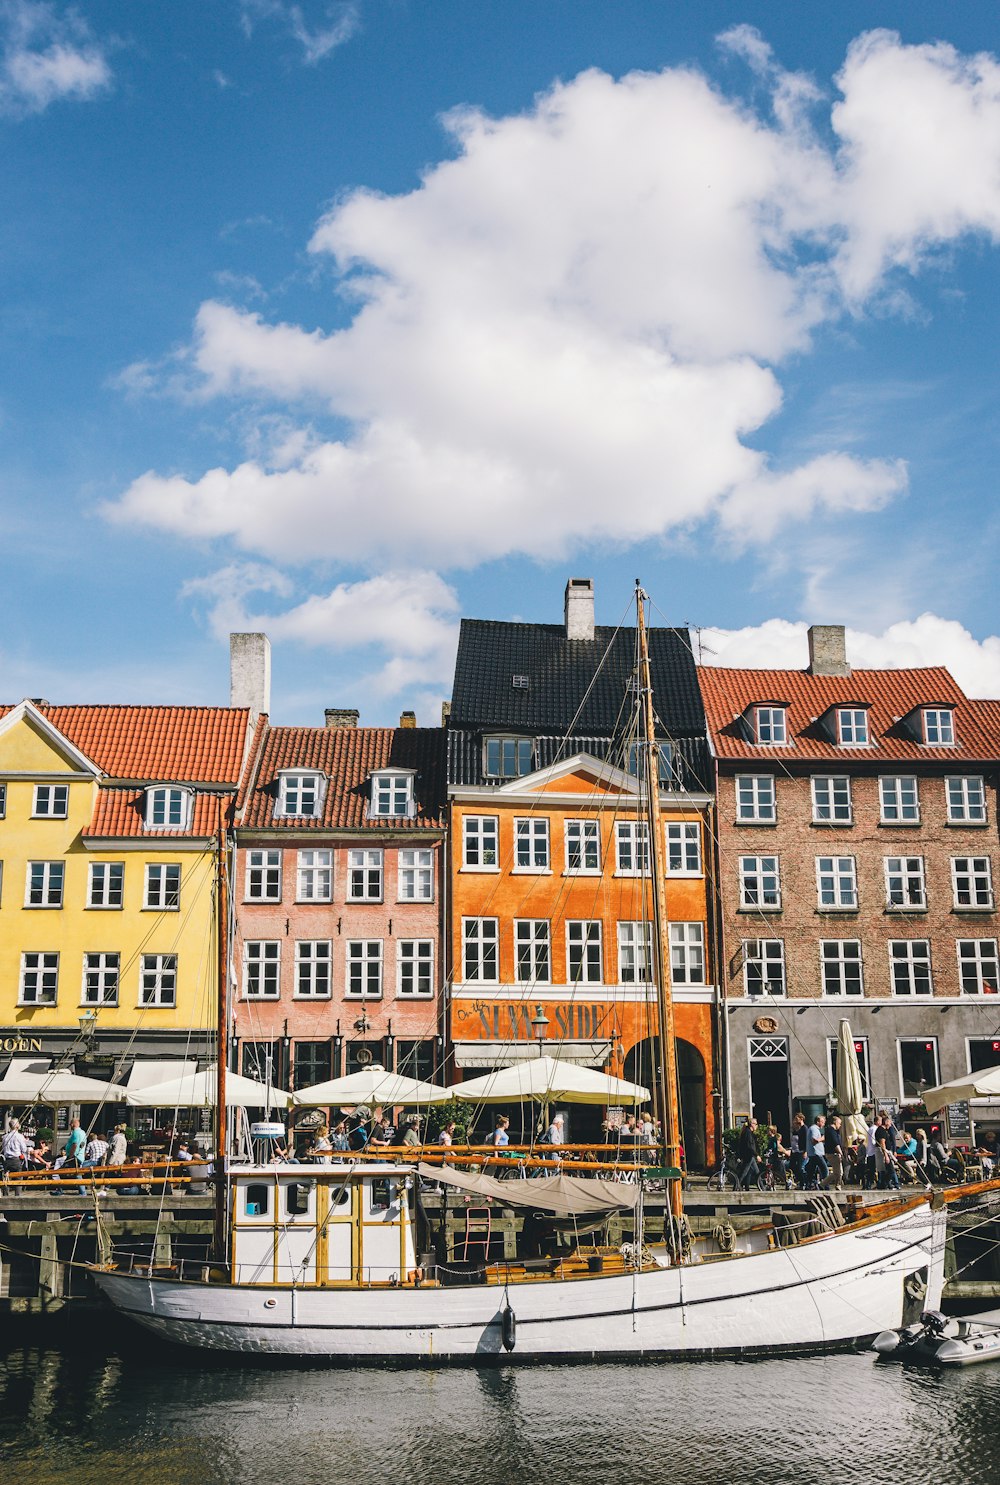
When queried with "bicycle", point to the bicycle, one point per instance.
{"points": [[726, 1178]]}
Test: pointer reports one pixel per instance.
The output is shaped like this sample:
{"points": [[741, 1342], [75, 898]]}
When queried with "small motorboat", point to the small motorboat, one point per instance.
{"points": [[943, 1340]]}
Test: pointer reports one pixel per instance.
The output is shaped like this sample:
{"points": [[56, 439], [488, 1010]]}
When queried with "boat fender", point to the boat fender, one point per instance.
{"points": [[508, 1328], [915, 1286]]}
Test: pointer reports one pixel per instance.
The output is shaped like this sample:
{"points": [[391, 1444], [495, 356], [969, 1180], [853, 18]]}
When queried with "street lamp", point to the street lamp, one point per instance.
{"points": [[88, 1025], [539, 1025]]}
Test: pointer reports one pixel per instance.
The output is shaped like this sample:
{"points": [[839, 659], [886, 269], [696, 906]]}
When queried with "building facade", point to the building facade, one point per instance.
{"points": [[857, 842]]}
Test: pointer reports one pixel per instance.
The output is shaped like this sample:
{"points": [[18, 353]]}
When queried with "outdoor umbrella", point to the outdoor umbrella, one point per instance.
{"points": [[198, 1090], [57, 1088], [549, 1080], [850, 1095], [372, 1085], [984, 1084]]}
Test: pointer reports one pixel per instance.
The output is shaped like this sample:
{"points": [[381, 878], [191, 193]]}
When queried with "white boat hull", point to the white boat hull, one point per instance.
{"points": [[832, 1293]]}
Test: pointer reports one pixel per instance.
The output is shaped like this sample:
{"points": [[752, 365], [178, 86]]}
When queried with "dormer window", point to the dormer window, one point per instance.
{"points": [[636, 763], [392, 795], [301, 794], [770, 726], [852, 727], [168, 808], [939, 726], [508, 757]]}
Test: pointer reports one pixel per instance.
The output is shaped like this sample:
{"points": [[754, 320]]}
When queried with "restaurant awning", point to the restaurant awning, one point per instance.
{"points": [[560, 1195], [501, 1054], [549, 1080]]}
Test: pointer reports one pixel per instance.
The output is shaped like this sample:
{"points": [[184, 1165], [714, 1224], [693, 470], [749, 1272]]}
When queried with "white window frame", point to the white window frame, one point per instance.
{"points": [[3, 801], [938, 726], [764, 968], [170, 800], [533, 951], [585, 945], [415, 961], [161, 902], [510, 749], [635, 953], [415, 874], [978, 961], [49, 802], [911, 1040], [101, 978], [480, 943], [687, 953], [893, 803], [298, 787], [262, 875], [683, 853], [852, 727], [582, 838], [837, 880], [912, 958], [364, 969], [962, 808], [391, 796], [313, 969], [837, 955], [864, 1062], [760, 883], [631, 848], [481, 842], [41, 966], [262, 969], [772, 720], [365, 871], [531, 846], [50, 887], [972, 877], [906, 880], [105, 872], [314, 876], [158, 981], [837, 807], [752, 807]]}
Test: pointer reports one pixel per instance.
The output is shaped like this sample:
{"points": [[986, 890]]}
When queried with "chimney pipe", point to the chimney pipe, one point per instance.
{"points": [[828, 650], [341, 716], [445, 712], [579, 608], [250, 673], [407, 719]]}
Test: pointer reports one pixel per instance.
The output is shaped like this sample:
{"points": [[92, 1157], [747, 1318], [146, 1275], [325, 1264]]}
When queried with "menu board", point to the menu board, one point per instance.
{"points": [[959, 1121], [887, 1106]]}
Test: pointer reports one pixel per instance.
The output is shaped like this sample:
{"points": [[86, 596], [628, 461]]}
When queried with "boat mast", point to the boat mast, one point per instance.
{"points": [[222, 1038], [667, 1086]]}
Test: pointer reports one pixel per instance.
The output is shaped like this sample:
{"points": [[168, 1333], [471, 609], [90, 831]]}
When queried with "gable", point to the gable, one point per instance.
{"points": [[580, 774], [29, 744]]}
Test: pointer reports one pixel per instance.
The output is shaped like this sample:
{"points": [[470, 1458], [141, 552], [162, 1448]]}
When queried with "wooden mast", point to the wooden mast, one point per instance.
{"points": [[222, 1039], [667, 1087]]}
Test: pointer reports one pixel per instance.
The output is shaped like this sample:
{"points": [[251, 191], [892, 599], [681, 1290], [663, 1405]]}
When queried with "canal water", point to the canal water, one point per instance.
{"points": [[111, 1407]]}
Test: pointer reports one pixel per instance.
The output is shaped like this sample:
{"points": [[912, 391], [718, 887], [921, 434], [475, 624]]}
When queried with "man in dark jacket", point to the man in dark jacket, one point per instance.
{"points": [[746, 1154]]}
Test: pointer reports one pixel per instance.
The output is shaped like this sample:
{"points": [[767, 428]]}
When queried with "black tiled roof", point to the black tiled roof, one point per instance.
{"points": [[559, 672], [692, 757]]}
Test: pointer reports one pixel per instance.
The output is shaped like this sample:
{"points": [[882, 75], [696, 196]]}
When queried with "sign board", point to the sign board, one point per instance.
{"points": [[959, 1121], [887, 1106], [267, 1131], [615, 1118]]}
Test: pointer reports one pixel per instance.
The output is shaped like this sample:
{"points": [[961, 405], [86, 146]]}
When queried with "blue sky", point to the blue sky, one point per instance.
{"points": [[343, 320]]}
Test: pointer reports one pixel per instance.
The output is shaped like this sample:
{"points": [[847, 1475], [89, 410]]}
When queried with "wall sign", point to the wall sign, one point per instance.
{"points": [[959, 1120], [20, 1044]]}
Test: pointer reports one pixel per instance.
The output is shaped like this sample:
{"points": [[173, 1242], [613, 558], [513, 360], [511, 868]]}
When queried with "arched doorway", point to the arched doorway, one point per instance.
{"points": [[642, 1065]]}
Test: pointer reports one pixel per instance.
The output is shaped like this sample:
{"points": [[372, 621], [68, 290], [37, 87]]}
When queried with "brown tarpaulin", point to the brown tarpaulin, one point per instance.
{"points": [[562, 1195]]}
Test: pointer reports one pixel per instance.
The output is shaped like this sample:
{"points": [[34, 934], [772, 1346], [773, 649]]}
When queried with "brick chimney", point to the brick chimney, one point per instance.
{"points": [[828, 650], [445, 712], [579, 608], [341, 716], [407, 719], [250, 672]]}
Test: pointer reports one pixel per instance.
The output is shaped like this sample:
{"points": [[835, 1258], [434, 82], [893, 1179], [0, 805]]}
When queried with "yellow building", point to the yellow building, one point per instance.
{"points": [[109, 822]]}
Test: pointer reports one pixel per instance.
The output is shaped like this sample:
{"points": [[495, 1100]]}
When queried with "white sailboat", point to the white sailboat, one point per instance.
{"points": [[325, 1260]]}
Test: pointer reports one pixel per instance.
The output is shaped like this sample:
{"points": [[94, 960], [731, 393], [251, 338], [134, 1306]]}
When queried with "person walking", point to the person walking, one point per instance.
{"points": [[15, 1148], [835, 1154], [746, 1154], [798, 1144], [817, 1171]]}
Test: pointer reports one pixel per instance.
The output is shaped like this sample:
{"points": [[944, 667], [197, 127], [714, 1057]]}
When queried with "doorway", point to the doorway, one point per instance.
{"points": [[770, 1084]]}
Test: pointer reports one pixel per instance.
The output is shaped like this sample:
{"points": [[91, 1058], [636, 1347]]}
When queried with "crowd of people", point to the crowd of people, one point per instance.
{"points": [[26, 1152]]}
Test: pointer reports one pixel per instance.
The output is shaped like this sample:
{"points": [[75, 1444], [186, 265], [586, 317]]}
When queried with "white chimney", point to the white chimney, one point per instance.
{"points": [[828, 650], [250, 672], [580, 608]]}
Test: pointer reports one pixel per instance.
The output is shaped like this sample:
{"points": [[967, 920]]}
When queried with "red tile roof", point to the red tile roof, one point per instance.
{"points": [[890, 695], [347, 756], [183, 744], [120, 814]]}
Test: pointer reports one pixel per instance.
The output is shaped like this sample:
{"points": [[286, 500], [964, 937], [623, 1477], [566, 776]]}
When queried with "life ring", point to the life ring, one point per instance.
{"points": [[508, 1328]]}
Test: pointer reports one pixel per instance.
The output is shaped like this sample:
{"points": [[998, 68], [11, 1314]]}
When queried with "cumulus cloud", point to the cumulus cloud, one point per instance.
{"points": [[46, 56], [332, 26], [927, 640]]}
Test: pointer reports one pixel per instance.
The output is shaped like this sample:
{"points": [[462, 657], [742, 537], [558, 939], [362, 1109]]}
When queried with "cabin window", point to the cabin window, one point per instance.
{"points": [[383, 1194], [298, 1198], [257, 1201]]}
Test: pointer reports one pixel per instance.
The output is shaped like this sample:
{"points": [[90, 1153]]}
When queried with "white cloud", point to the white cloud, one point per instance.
{"points": [[334, 24], [927, 640], [47, 56]]}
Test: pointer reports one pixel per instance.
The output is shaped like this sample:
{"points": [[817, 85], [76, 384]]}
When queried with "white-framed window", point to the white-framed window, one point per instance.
{"points": [[939, 727], [43, 886], [836, 882], [312, 969], [584, 952], [583, 846], [531, 845], [39, 979], [3, 801], [905, 886], [764, 966], [852, 727], [415, 968], [480, 950], [51, 801], [392, 795], [966, 798], [100, 979], [480, 834], [760, 883], [314, 876], [831, 799], [918, 1065], [972, 881], [507, 757], [162, 887], [978, 968], [910, 966], [158, 980], [683, 849], [533, 951], [635, 953], [687, 953], [263, 876], [106, 884], [860, 1051], [167, 808], [364, 876], [632, 848], [755, 798], [301, 794], [770, 726], [415, 869], [635, 762], [364, 969], [899, 799], [840, 966], [262, 969]]}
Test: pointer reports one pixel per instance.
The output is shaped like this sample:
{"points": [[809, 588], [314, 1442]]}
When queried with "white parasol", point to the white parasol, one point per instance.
{"points": [[372, 1085], [849, 1089], [549, 1080], [198, 1090], [984, 1084]]}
